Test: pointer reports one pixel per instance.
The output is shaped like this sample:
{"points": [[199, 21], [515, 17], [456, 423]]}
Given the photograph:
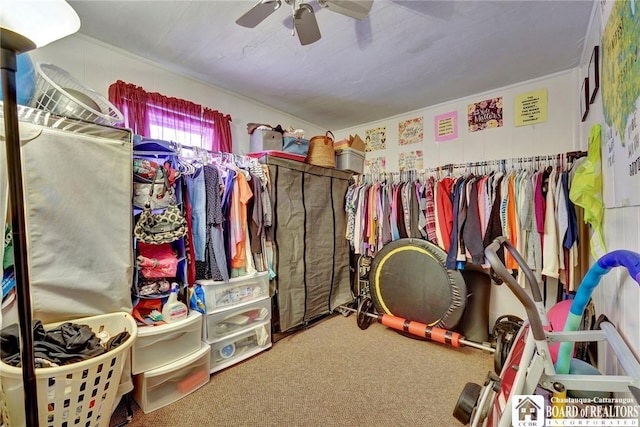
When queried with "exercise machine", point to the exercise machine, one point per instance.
{"points": [[529, 368]]}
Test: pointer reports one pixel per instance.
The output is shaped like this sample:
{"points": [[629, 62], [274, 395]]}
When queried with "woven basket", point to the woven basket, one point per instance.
{"points": [[321, 151]]}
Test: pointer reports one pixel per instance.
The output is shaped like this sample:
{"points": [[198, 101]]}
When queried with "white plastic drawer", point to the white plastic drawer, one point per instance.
{"points": [[160, 345], [219, 294], [239, 346], [163, 386], [221, 324]]}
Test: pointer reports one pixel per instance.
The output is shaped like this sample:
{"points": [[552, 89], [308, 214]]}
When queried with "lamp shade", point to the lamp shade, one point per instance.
{"points": [[42, 22]]}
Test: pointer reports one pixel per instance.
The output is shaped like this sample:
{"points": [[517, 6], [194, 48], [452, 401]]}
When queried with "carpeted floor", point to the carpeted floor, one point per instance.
{"points": [[332, 374]]}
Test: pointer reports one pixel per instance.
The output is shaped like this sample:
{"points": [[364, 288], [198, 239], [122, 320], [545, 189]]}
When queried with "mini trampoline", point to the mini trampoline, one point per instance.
{"points": [[408, 279]]}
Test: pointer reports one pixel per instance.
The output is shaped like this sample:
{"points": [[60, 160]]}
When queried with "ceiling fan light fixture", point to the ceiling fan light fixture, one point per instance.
{"points": [[306, 24], [258, 13]]}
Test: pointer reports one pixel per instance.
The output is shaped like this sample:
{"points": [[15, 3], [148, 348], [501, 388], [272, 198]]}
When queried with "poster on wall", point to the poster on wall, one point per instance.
{"points": [[411, 160], [531, 108], [375, 139], [446, 126], [620, 86], [410, 131], [375, 165], [485, 114]]}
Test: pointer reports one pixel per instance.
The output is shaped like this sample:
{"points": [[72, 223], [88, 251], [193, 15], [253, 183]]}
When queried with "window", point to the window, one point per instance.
{"points": [[154, 115], [174, 126]]}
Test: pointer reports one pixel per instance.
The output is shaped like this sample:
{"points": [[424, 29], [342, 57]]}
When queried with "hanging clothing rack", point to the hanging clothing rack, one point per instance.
{"points": [[173, 148], [560, 159], [420, 204]]}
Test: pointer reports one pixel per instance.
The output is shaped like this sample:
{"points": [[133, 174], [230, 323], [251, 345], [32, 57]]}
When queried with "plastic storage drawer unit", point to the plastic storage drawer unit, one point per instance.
{"points": [[223, 323], [240, 346], [219, 294], [160, 387], [350, 160], [160, 345]]}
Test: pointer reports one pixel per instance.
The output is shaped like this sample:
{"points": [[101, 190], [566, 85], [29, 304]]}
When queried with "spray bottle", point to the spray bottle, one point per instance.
{"points": [[174, 310]]}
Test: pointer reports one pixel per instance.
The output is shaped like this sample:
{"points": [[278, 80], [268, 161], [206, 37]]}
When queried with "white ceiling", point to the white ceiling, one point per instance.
{"points": [[404, 56]]}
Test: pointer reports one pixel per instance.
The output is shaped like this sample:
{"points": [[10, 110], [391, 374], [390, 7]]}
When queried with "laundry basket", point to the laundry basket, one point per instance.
{"points": [[77, 394], [61, 94]]}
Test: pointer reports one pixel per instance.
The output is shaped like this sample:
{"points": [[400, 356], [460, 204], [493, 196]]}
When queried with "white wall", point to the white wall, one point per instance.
{"points": [[617, 296], [558, 134], [98, 65]]}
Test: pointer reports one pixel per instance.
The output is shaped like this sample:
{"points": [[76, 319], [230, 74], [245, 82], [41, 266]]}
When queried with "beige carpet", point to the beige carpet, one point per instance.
{"points": [[332, 374]]}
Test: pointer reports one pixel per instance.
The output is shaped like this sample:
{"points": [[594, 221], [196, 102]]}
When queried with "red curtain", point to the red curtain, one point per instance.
{"points": [[218, 130], [131, 100], [154, 115]]}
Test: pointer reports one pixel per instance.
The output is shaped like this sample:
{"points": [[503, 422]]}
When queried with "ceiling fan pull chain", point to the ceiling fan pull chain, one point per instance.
{"points": [[293, 17]]}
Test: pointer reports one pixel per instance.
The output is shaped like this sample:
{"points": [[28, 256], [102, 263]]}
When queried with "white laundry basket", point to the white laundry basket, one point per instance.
{"points": [[77, 394], [60, 93]]}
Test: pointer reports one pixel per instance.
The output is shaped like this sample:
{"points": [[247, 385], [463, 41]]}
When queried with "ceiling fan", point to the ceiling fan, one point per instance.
{"points": [[304, 19]]}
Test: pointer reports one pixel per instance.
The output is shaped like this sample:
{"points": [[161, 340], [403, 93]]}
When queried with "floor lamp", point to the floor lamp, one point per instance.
{"points": [[25, 25]]}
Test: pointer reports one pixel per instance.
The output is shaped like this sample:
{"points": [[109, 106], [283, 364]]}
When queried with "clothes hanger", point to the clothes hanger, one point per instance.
{"points": [[184, 166]]}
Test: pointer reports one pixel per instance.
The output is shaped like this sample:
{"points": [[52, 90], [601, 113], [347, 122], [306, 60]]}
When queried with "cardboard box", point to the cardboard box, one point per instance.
{"points": [[353, 142], [356, 143]]}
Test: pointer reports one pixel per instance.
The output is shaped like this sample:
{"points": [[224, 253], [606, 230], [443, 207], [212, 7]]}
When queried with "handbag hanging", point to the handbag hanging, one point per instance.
{"points": [[144, 170], [157, 228], [159, 185], [321, 151]]}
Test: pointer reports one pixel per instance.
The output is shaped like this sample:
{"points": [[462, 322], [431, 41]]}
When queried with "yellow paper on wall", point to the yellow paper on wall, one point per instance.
{"points": [[531, 108]]}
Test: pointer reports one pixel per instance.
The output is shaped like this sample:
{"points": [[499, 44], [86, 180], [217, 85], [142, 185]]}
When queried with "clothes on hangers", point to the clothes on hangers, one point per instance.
{"points": [[227, 201], [464, 213]]}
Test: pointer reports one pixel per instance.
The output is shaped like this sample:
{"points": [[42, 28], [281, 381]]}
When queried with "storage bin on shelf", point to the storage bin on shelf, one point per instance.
{"points": [[350, 159], [293, 145], [160, 345], [162, 386], [226, 321], [81, 393], [265, 140], [219, 294], [239, 346]]}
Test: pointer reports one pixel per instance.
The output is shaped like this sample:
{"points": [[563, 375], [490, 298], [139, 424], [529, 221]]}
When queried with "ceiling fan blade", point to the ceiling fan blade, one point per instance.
{"points": [[258, 13], [306, 25]]}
